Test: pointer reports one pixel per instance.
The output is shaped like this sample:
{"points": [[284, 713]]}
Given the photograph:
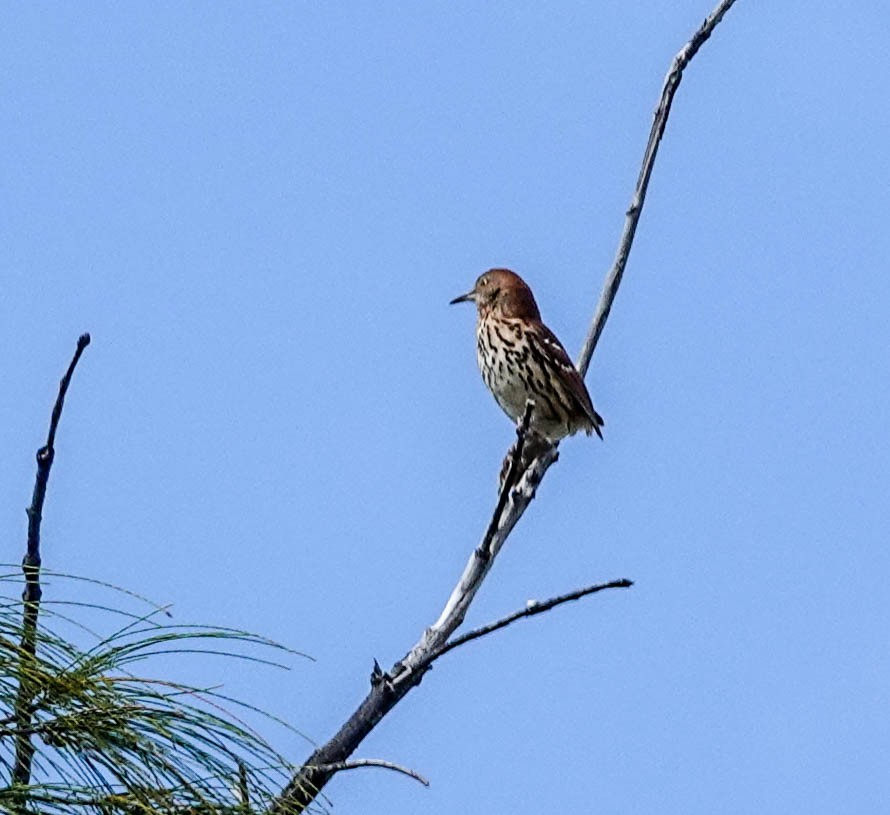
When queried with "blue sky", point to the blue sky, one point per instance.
{"points": [[260, 212]]}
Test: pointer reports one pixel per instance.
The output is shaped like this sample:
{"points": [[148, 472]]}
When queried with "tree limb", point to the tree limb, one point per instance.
{"points": [[534, 607], [477, 566], [632, 216], [24, 748], [355, 764], [387, 689]]}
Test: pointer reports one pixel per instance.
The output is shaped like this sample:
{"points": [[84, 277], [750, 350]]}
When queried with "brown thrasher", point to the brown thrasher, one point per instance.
{"points": [[521, 359]]}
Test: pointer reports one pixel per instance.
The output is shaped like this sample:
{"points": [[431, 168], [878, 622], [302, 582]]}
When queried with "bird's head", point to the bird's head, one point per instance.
{"points": [[502, 293]]}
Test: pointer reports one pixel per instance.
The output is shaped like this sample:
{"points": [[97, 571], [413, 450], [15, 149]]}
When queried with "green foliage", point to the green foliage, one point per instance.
{"points": [[108, 740]]}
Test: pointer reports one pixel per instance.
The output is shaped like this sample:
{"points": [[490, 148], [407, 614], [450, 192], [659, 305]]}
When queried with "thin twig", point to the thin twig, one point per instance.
{"points": [[388, 689], [632, 216], [355, 764], [534, 607], [24, 749]]}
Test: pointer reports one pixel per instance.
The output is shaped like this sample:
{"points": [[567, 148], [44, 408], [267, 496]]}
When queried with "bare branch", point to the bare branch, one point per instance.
{"points": [[534, 607], [355, 764], [479, 563], [24, 749], [632, 216], [388, 689]]}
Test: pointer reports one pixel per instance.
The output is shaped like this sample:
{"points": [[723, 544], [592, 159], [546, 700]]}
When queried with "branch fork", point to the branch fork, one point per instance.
{"points": [[518, 490]]}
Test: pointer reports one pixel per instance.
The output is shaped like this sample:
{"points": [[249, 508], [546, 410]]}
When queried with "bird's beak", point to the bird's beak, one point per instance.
{"points": [[470, 296]]}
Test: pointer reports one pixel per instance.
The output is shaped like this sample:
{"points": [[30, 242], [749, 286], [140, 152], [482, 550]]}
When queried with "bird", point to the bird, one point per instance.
{"points": [[521, 359]]}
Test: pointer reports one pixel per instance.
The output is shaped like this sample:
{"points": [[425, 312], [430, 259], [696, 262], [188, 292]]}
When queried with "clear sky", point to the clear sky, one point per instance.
{"points": [[261, 211]]}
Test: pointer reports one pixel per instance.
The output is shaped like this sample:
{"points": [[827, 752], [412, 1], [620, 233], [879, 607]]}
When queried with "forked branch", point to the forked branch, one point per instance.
{"points": [[388, 688]]}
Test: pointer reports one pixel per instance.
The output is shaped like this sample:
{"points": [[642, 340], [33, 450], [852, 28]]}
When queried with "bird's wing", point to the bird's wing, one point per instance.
{"points": [[556, 354]]}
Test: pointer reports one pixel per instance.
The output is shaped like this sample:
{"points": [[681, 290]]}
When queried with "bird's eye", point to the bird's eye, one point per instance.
{"points": [[484, 281]]}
